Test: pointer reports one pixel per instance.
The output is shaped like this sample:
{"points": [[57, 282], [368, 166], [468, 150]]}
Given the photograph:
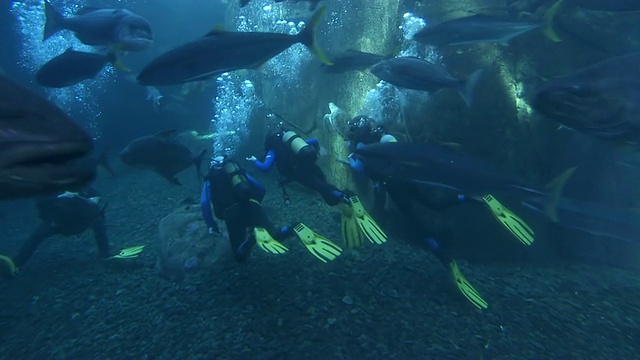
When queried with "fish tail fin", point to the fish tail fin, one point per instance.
{"points": [[54, 21], [103, 161], [113, 59], [198, 163], [549, 15], [555, 186], [112, 56], [469, 86], [308, 36]]}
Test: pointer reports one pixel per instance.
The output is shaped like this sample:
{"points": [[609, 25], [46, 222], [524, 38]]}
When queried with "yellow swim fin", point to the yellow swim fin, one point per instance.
{"points": [[319, 246], [351, 234], [516, 226], [549, 16], [128, 253], [268, 243], [466, 288], [367, 225], [7, 267]]}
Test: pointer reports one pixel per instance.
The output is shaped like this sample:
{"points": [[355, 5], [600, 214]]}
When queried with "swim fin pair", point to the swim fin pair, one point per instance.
{"points": [[516, 226], [466, 288], [356, 223], [319, 246]]}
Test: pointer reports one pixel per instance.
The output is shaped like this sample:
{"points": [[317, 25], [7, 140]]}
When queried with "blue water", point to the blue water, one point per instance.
{"points": [[573, 294]]}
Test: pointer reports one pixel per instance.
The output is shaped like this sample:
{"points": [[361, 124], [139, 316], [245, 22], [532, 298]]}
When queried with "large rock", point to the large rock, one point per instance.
{"points": [[184, 243]]}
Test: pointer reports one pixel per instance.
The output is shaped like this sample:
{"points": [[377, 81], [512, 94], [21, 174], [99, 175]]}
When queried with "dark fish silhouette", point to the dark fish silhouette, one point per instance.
{"points": [[596, 219], [436, 165], [72, 67], [606, 5], [39, 145], [161, 153]]}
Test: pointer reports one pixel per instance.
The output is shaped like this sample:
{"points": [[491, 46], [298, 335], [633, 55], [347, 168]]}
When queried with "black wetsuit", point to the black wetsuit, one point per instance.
{"points": [[67, 216], [300, 167], [235, 198]]}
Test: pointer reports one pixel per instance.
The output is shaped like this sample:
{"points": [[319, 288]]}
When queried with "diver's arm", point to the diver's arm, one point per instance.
{"points": [[205, 207], [259, 187], [313, 142], [356, 164], [268, 161]]}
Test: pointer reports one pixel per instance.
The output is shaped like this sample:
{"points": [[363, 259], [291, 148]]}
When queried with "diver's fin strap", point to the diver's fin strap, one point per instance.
{"points": [[516, 226], [367, 225], [466, 288], [319, 246], [128, 253], [268, 243]]}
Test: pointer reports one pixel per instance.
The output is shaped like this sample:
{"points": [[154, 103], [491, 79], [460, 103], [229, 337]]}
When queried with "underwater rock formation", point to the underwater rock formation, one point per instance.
{"points": [[184, 244]]}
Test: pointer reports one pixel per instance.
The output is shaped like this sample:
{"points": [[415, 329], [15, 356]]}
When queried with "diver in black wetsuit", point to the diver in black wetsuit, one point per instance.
{"points": [[295, 159], [66, 214], [407, 196], [364, 131], [236, 197]]}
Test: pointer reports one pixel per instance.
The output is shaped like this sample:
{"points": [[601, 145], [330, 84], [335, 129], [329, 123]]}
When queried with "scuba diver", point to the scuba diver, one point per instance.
{"points": [[67, 214], [363, 131], [236, 199], [295, 160], [414, 174]]}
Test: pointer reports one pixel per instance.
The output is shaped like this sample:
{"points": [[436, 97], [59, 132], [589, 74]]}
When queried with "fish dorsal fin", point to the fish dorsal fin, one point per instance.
{"points": [[167, 133], [86, 9]]}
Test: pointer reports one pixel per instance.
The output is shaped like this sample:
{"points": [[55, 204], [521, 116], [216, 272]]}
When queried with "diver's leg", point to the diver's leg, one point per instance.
{"points": [[379, 199], [258, 218], [29, 247], [235, 220], [312, 177], [420, 234], [100, 233]]}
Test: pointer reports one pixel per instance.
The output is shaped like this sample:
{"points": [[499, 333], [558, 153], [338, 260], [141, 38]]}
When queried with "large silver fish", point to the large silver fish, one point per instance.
{"points": [[39, 145], [161, 153], [221, 51], [472, 30], [417, 74], [484, 29], [602, 100], [72, 67], [117, 28]]}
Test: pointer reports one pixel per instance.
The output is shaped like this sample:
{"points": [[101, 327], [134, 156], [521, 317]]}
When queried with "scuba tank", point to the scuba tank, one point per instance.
{"points": [[241, 185], [300, 149]]}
